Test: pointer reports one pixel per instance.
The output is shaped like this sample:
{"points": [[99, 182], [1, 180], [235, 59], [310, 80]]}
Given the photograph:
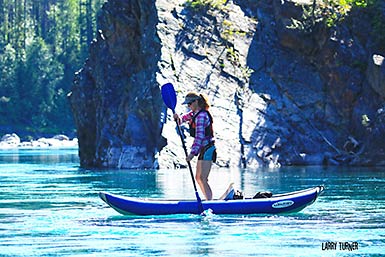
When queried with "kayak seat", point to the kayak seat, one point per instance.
{"points": [[230, 195]]}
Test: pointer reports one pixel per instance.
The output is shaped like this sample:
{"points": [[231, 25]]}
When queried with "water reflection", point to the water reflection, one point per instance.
{"points": [[50, 207], [39, 156], [137, 183]]}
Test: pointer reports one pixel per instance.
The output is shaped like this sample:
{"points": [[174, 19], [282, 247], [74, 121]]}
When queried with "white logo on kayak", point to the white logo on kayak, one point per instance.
{"points": [[282, 204]]}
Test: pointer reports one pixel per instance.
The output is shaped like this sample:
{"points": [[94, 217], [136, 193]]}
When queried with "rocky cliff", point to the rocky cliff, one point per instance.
{"points": [[280, 94]]}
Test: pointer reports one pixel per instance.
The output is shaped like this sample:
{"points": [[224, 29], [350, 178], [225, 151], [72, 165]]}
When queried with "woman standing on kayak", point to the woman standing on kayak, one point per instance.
{"points": [[201, 128]]}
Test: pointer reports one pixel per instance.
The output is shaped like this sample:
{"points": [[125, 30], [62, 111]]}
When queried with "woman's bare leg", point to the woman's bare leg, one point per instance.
{"points": [[202, 175]]}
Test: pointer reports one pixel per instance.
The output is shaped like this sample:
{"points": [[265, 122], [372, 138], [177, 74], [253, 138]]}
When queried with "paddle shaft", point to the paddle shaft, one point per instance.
{"points": [[169, 98], [189, 166], [186, 153]]}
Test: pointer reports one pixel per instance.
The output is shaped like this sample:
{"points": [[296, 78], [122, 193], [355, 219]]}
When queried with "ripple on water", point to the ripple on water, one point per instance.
{"points": [[52, 208]]}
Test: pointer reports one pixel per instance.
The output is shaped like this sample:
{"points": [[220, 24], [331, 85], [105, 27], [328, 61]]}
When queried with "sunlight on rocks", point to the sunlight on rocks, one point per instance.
{"points": [[13, 141]]}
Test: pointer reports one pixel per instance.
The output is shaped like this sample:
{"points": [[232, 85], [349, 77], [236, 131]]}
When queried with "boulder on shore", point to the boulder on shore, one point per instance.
{"points": [[11, 141]]}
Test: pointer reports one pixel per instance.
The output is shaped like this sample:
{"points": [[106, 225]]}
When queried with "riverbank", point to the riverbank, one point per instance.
{"points": [[13, 141]]}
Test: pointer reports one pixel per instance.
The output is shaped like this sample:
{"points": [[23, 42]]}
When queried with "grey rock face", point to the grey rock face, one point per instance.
{"points": [[279, 96]]}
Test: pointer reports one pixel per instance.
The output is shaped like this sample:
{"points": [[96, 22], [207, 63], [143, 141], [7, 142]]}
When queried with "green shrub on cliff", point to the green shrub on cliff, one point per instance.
{"points": [[202, 4]]}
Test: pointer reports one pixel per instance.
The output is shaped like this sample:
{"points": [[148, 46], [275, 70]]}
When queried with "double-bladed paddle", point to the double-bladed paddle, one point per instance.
{"points": [[169, 98]]}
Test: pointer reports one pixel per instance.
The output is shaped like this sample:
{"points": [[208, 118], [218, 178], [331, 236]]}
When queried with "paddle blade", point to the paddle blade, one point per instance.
{"points": [[169, 96]]}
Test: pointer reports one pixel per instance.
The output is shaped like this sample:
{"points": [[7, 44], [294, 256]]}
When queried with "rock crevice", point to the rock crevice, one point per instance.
{"points": [[280, 95]]}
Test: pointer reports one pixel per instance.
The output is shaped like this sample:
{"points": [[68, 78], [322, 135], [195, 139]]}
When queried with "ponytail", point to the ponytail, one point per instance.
{"points": [[203, 102]]}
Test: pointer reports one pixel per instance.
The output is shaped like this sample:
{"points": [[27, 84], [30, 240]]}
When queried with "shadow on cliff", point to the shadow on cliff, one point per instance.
{"points": [[115, 97], [314, 92], [285, 134]]}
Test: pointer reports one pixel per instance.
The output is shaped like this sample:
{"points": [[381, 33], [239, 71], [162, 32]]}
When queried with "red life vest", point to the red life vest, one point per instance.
{"points": [[209, 132]]}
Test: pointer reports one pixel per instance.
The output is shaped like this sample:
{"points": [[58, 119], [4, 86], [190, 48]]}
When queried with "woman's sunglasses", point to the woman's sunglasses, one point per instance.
{"points": [[189, 103]]}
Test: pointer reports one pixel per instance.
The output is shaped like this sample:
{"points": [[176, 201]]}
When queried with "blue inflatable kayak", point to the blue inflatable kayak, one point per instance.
{"points": [[280, 203]]}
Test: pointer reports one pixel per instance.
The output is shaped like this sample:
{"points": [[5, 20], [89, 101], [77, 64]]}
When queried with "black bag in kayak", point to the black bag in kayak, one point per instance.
{"points": [[265, 194]]}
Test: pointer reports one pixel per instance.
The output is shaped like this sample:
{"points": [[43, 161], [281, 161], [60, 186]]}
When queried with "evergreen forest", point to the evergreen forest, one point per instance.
{"points": [[42, 44]]}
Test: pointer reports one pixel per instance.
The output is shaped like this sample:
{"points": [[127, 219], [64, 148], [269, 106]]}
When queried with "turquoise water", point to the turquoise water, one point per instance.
{"points": [[50, 207]]}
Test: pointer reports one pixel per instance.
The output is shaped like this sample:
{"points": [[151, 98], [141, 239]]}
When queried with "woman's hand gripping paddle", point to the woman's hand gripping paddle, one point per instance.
{"points": [[169, 98]]}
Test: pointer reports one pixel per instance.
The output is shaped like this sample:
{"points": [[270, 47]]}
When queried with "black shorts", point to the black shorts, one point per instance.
{"points": [[208, 153]]}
